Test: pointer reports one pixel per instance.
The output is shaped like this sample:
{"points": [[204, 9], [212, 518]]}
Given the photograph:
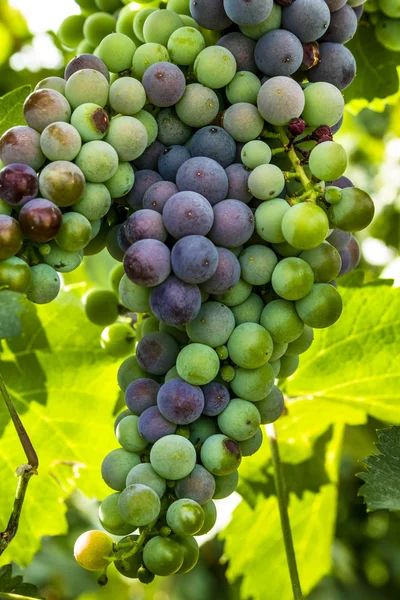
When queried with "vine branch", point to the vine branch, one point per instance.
{"points": [[310, 193]]}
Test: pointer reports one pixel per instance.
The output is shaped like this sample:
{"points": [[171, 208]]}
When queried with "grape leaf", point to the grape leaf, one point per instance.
{"points": [[11, 108], [16, 585], [12, 304], [64, 386], [381, 489]]}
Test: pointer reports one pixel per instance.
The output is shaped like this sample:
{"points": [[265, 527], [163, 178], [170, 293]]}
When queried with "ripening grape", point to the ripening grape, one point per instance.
{"points": [[45, 106], [242, 48], [354, 212], [15, 275], [220, 455], [321, 307], [11, 237], [21, 145], [91, 550]]}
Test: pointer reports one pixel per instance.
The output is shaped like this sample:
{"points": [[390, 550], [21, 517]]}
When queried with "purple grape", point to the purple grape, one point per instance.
{"points": [[339, 239], [143, 180], [171, 160], [216, 398], [153, 426], [210, 14], [238, 177], [355, 252], [86, 61], [336, 128], [18, 184], [233, 224], [46, 106], [278, 52], [11, 237], [175, 302], [164, 84], [204, 176], [40, 220], [343, 182], [194, 259], [157, 352], [198, 486], [248, 12], [141, 394], [122, 240], [145, 224], [226, 276], [21, 145], [214, 142], [188, 213], [149, 158], [307, 19], [242, 49], [346, 261], [171, 130], [147, 262], [180, 402], [336, 65], [158, 194], [358, 10], [342, 27]]}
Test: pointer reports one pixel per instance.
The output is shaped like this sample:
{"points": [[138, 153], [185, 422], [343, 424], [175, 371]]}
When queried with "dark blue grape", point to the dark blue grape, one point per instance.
{"points": [[337, 126], [153, 426], [233, 224], [171, 160], [238, 177], [343, 182], [180, 402], [198, 486], [147, 262], [358, 10], [216, 398], [336, 65], [248, 12], [242, 49], [342, 27], [143, 180], [194, 259], [210, 14], [214, 142], [204, 176], [18, 184], [188, 213], [307, 19], [122, 240], [346, 260], [279, 52], [158, 194], [157, 352], [86, 61], [141, 394], [149, 158], [175, 302], [339, 239], [226, 276], [171, 130], [350, 256], [145, 224], [164, 84]]}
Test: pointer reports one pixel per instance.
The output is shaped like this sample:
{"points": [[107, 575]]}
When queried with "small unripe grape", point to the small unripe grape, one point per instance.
{"points": [[101, 306], [15, 275], [118, 339], [91, 548], [11, 237]]}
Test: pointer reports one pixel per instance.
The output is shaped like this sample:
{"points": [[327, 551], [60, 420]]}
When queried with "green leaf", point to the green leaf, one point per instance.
{"points": [[382, 478], [64, 387], [11, 108], [12, 304], [16, 585]]}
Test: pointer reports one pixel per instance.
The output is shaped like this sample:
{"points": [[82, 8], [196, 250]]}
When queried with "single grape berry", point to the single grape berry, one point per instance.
{"points": [[11, 237], [40, 220], [18, 184]]}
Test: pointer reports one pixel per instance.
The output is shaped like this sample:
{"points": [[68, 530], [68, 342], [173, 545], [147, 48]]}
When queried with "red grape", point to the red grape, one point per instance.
{"points": [[40, 220], [18, 184], [10, 236]]}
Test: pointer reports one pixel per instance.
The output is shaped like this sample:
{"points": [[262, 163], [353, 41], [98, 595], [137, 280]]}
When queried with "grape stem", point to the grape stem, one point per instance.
{"points": [[282, 496], [310, 194]]}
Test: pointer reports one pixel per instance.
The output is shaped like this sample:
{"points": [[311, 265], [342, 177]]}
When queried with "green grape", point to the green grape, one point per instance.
{"points": [[130, 371], [190, 22], [116, 466], [226, 485], [212, 326], [70, 31], [220, 455], [127, 96], [201, 430], [253, 384], [173, 457], [210, 513], [324, 104], [45, 284], [253, 444], [108, 5], [98, 26], [333, 194], [182, 7], [139, 21], [268, 220], [149, 123], [280, 318], [284, 249], [289, 365], [273, 21], [60, 141], [244, 87], [145, 576], [115, 278], [85, 47], [354, 212], [146, 475], [129, 567], [101, 306], [324, 261], [116, 50], [240, 420], [118, 340], [75, 232], [147, 55], [134, 297], [91, 121], [87, 4], [185, 517], [387, 32], [109, 516], [124, 413], [61, 260], [184, 45], [52, 83], [191, 553], [98, 161], [390, 8], [276, 366], [15, 275], [305, 225], [62, 182], [278, 351], [302, 343], [328, 161], [266, 182], [250, 346], [149, 325], [243, 121], [91, 549], [227, 373], [122, 181], [321, 307], [292, 278], [128, 434], [6, 209], [95, 227], [256, 153], [249, 311], [87, 86], [236, 295], [176, 332], [95, 202], [271, 407], [125, 22], [215, 67], [128, 137], [159, 25], [210, 37], [98, 243], [198, 364], [257, 264], [163, 556], [222, 352], [139, 505], [198, 106]]}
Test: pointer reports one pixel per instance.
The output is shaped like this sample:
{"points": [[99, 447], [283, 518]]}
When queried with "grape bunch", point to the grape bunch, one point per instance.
{"points": [[385, 17]]}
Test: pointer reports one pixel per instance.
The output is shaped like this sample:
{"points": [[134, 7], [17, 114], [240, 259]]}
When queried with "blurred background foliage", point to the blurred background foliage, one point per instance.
{"points": [[366, 552]]}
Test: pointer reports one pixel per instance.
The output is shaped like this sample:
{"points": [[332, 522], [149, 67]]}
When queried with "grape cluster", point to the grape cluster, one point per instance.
{"points": [[385, 17]]}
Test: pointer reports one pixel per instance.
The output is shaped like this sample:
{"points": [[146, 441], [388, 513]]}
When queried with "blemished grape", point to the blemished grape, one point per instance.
{"points": [[243, 122], [18, 184], [308, 19], [248, 311], [164, 84], [215, 143], [128, 137], [86, 86], [321, 307], [336, 66], [15, 275], [324, 104], [198, 364], [109, 516], [305, 225], [227, 275], [302, 343], [21, 145], [101, 306], [128, 435], [244, 13], [90, 121], [292, 278], [220, 455], [139, 504], [116, 466], [60, 141], [143, 180], [163, 556], [62, 182], [266, 182], [233, 224], [354, 212], [255, 154], [250, 346], [145, 224], [157, 352], [45, 284], [153, 425], [116, 51], [85, 61], [91, 550], [242, 49], [188, 213], [210, 14], [278, 52], [173, 457], [45, 106], [159, 25], [280, 318], [280, 100], [62, 260], [74, 233], [203, 176], [240, 420], [185, 517], [238, 179], [212, 326], [198, 106], [184, 45], [328, 161]]}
